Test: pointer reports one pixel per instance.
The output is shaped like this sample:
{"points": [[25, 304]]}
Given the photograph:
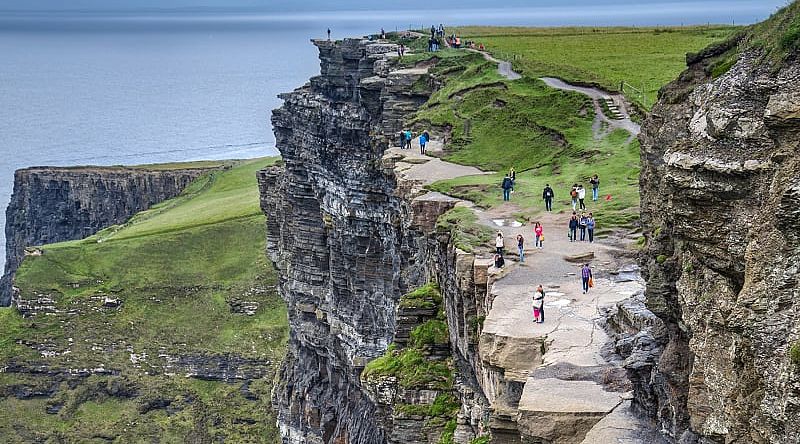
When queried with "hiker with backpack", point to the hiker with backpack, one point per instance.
{"points": [[586, 278], [423, 140], [548, 196], [538, 305], [507, 186], [521, 247], [409, 136]]}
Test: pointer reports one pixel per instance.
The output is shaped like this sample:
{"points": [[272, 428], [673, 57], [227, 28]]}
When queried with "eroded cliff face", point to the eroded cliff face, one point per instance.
{"points": [[336, 236], [59, 204], [720, 199]]}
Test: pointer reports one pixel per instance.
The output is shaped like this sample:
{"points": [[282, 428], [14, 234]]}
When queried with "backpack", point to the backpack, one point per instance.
{"points": [[573, 193]]}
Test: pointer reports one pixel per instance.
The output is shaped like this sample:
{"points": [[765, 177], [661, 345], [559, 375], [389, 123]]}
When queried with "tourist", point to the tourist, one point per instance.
{"points": [[573, 227], [499, 243], [383, 34], [590, 224], [329, 34], [507, 185], [595, 181], [433, 31], [423, 140], [574, 195], [512, 173], [403, 139], [582, 225], [499, 262], [586, 278], [538, 305], [538, 230], [521, 247], [409, 136], [548, 196], [581, 196]]}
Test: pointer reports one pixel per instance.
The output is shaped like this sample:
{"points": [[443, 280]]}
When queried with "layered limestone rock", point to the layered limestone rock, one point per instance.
{"points": [[720, 201], [338, 236], [59, 204]]}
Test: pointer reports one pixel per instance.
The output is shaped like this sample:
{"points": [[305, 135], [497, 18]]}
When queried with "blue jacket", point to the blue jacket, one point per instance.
{"points": [[507, 184]]}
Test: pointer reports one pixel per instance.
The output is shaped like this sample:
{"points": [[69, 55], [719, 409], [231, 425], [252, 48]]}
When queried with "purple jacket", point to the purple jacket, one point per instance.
{"points": [[586, 272]]}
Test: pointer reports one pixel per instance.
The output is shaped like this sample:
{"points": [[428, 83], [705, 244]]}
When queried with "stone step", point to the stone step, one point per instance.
{"points": [[553, 410]]}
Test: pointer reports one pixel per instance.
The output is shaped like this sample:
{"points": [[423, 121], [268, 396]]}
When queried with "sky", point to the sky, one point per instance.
{"points": [[320, 5]]}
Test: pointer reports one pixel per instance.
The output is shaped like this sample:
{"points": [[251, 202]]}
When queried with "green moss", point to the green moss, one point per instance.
{"points": [[412, 369], [447, 434], [485, 439], [794, 354], [466, 232], [724, 64], [661, 258], [427, 296], [433, 332]]}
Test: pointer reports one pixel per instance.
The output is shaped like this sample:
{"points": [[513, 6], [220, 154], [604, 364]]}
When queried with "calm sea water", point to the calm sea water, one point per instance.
{"points": [[108, 89]]}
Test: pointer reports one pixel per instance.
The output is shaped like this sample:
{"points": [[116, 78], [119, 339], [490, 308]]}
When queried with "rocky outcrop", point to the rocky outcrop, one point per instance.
{"points": [[337, 236], [720, 200], [59, 204]]}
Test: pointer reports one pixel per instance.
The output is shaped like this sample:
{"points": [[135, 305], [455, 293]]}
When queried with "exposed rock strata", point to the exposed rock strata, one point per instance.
{"points": [[59, 204], [720, 201]]}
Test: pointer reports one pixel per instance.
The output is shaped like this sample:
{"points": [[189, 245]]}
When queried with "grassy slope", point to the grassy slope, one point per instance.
{"points": [[546, 134], [176, 267], [646, 58]]}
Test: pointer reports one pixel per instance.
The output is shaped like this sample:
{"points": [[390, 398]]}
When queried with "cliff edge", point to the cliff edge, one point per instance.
{"points": [[720, 198], [59, 204]]}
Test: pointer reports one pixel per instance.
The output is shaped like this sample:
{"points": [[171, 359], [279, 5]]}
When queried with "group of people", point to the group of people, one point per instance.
{"points": [[577, 193], [585, 223], [500, 244], [406, 136]]}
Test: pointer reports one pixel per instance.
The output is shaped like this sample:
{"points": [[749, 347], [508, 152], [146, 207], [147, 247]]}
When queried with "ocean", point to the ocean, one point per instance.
{"points": [[118, 88]]}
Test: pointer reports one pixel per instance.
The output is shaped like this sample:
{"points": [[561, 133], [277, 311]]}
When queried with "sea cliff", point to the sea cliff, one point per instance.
{"points": [[59, 204]]}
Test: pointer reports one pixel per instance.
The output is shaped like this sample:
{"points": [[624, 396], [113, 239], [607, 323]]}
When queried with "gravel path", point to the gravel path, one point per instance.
{"points": [[597, 95]]}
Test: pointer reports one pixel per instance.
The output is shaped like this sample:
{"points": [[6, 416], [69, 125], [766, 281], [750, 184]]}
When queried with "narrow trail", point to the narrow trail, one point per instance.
{"points": [[504, 68], [616, 101]]}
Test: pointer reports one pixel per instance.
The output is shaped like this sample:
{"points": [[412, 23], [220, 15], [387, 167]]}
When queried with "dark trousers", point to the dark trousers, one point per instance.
{"points": [[591, 234], [583, 205], [572, 234], [422, 148], [500, 251], [506, 193], [585, 284], [548, 203], [583, 233]]}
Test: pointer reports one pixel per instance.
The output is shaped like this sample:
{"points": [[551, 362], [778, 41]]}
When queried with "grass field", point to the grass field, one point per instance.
{"points": [[646, 58], [180, 269]]}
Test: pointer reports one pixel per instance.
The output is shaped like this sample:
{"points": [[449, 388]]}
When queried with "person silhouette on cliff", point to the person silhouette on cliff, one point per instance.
{"points": [[329, 34]]}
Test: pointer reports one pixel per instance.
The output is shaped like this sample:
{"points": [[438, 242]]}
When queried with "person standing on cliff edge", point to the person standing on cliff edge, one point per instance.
{"points": [[538, 305], [329, 34]]}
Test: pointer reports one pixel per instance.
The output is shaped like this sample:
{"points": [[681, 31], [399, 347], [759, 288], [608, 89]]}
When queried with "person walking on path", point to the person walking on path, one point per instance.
{"points": [[538, 305], [582, 225], [423, 140], [573, 227], [574, 195], [408, 139], [403, 139], [595, 181], [513, 175], [499, 243], [586, 278], [538, 230], [507, 186], [581, 196], [521, 247], [548, 196], [590, 224]]}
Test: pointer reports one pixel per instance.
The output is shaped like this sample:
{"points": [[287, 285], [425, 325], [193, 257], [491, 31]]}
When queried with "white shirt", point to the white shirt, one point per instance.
{"points": [[499, 242], [581, 193]]}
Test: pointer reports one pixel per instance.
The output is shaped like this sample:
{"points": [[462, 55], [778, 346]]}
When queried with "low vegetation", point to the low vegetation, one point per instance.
{"points": [[466, 232], [190, 291]]}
